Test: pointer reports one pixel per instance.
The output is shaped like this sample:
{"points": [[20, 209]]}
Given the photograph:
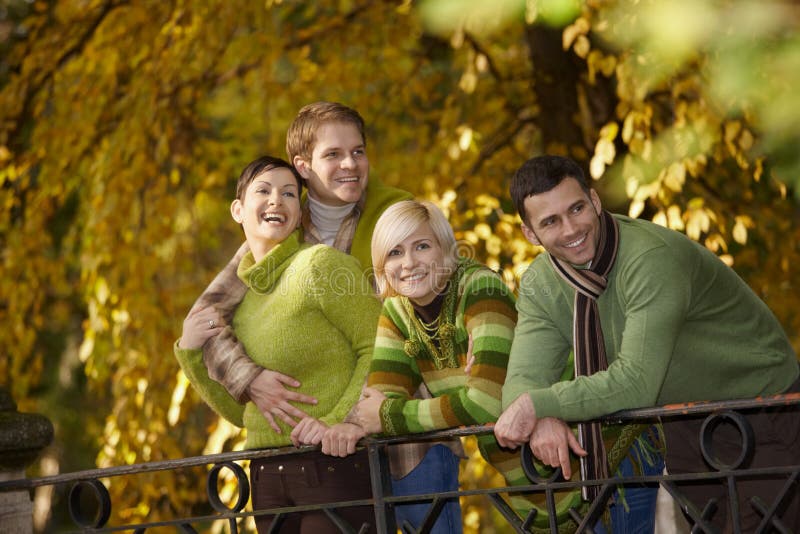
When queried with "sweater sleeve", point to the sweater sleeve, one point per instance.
{"points": [[348, 302], [656, 292], [392, 371], [224, 355], [191, 362], [487, 310], [540, 349]]}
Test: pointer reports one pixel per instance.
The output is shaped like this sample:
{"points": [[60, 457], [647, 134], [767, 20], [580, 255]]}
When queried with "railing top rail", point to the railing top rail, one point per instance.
{"points": [[671, 410], [700, 407]]}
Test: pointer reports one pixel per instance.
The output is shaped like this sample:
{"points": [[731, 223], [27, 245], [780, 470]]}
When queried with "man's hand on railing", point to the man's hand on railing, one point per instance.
{"points": [[309, 431], [268, 392], [340, 439], [551, 442], [515, 425]]}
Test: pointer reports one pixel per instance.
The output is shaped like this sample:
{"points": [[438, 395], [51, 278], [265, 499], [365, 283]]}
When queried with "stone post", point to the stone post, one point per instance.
{"points": [[22, 438]]}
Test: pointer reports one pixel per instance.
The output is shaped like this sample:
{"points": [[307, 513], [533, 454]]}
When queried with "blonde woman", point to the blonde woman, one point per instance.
{"points": [[438, 308]]}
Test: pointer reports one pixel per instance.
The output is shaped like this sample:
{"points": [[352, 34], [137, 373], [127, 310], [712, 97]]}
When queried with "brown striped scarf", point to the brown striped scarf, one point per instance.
{"points": [[590, 353]]}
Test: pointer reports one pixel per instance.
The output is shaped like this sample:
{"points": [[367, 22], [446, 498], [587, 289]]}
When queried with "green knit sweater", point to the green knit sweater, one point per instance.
{"points": [[679, 325], [310, 313]]}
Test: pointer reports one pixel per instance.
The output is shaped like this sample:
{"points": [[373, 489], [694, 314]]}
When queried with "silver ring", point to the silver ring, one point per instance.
{"points": [[211, 323]]}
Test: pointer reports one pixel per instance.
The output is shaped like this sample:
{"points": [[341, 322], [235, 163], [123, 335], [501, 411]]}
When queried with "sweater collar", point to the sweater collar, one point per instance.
{"points": [[328, 219], [261, 277]]}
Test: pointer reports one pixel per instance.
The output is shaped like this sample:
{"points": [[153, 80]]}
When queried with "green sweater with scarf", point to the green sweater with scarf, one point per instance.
{"points": [[678, 324], [309, 312]]}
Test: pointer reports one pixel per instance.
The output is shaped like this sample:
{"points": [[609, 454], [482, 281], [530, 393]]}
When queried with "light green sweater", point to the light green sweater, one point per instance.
{"points": [[310, 313], [379, 197], [679, 325]]}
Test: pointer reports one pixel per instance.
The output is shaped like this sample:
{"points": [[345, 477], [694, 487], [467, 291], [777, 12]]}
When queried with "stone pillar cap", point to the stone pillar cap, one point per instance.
{"points": [[23, 436]]}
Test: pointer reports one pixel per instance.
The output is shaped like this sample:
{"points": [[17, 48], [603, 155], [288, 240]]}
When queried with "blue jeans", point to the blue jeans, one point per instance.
{"points": [[640, 515], [437, 472]]}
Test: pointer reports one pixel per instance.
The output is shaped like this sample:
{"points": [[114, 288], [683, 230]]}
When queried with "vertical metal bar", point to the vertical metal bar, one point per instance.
{"points": [[381, 487], [733, 504]]}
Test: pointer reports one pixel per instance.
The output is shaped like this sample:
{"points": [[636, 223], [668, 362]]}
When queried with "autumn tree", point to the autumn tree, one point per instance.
{"points": [[123, 125]]}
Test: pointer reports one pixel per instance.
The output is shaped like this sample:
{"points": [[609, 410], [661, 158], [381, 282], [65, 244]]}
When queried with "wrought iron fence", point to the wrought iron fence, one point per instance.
{"points": [[90, 505]]}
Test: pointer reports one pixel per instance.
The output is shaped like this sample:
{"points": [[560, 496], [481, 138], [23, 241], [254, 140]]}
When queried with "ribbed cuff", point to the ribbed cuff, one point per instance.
{"points": [[546, 404], [391, 414]]}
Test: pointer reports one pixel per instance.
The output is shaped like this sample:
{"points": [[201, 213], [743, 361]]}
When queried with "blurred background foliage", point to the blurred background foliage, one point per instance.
{"points": [[123, 125]]}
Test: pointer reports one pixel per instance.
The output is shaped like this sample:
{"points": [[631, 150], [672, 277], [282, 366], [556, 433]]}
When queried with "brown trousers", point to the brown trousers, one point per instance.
{"points": [[777, 443], [312, 478]]}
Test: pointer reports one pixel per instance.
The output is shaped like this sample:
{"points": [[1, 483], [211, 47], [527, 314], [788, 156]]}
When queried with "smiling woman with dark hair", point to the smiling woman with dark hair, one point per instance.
{"points": [[291, 286]]}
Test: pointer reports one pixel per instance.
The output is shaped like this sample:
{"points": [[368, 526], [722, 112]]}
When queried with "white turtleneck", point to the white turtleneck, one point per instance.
{"points": [[328, 219]]}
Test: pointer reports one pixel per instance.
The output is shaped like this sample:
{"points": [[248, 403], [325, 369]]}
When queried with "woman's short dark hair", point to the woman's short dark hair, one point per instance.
{"points": [[262, 165]]}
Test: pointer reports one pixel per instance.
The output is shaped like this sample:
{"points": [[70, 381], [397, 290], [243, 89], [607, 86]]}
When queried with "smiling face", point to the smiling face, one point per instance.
{"points": [[565, 221], [269, 211], [415, 267], [338, 171]]}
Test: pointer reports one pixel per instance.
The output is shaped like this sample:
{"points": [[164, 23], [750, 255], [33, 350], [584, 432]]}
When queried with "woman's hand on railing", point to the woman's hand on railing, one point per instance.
{"points": [[309, 431], [340, 439], [367, 411]]}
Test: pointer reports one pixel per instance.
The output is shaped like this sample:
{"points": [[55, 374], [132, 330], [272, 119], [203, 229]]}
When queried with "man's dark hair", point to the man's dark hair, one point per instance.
{"points": [[261, 165], [540, 175]]}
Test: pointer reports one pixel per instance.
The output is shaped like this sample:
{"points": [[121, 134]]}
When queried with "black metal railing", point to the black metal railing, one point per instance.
{"points": [[90, 504]]}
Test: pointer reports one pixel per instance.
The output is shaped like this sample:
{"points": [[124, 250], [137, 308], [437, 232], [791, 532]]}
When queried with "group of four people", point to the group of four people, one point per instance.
{"points": [[291, 341]]}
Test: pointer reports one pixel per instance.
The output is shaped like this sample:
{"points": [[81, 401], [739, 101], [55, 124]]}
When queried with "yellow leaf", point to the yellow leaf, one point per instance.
{"points": [[675, 218], [631, 185], [715, 242], [582, 46], [606, 150], [675, 177], [727, 259], [573, 31], [596, 167], [465, 139], [483, 231], [609, 131], [636, 208], [468, 82], [740, 232]]}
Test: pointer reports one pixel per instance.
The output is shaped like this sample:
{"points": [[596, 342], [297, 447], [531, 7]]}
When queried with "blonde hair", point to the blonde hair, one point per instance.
{"points": [[396, 224]]}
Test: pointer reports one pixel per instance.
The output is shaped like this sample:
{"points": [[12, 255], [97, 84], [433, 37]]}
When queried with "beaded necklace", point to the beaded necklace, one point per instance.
{"points": [[441, 329]]}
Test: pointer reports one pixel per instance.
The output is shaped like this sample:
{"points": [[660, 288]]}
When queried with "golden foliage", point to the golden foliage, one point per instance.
{"points": [[124, 124]]}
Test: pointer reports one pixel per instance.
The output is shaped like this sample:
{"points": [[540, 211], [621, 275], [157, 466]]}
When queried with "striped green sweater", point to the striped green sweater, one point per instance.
{"points": [[485, 310]]}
